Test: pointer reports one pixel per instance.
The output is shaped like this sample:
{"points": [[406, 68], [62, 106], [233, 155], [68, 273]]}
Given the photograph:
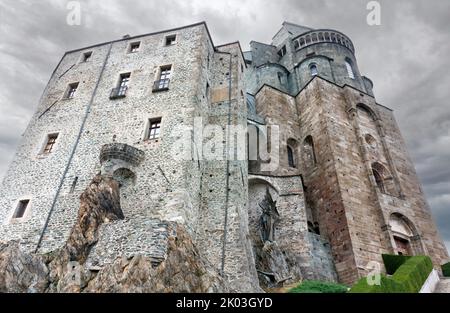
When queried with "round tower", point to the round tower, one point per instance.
{"points": [[327, 53]]}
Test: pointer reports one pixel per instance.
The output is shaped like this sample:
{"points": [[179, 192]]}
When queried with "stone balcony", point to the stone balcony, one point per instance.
{"points": [[123, 152]]}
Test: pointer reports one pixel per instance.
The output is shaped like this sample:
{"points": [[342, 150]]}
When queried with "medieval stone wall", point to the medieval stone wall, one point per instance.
{"points": [[340, 173]]}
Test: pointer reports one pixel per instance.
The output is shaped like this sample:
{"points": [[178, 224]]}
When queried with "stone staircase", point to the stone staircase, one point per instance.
{"points": [[443, 286]]}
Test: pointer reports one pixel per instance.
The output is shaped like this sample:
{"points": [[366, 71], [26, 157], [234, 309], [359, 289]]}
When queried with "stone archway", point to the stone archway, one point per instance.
{"points": [[270, 261], [256, 192], [406, 240]]}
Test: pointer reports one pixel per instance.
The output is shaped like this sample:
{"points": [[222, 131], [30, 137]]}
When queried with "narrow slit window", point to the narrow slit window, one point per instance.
{"points": [[50, 144], [349, 67], [313, 70], [280, 77], [21, 209], [291, 158]]}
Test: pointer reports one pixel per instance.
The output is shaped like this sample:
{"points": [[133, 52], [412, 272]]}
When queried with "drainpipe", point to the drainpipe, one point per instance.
{"points": [[74, 148], [227, 192]]}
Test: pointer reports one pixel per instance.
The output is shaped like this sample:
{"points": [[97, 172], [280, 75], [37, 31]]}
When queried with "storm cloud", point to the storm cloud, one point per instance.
{"points": [[406, 57]]}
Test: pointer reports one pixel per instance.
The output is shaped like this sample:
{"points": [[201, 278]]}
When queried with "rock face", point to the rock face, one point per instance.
{"points": [[21, 272], [64, 270], [182, 271]]}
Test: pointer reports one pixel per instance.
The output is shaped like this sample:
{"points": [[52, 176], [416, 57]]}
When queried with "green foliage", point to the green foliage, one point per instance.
{"points": [[387, 285], [312, 286], [393, 262], [446, 269], [408, 278], [413, 273]]}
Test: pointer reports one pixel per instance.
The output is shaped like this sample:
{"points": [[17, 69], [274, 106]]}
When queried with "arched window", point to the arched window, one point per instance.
{"points": [[309, 153], [313, 69], [383, 179], [291, 159], [308, 39], [321, 37], [404, 235], [348, 65], [379, 180], [292, 147]]}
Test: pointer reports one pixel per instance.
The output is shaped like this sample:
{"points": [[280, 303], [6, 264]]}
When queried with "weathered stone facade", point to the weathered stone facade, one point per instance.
{"points": [[343, 183]]}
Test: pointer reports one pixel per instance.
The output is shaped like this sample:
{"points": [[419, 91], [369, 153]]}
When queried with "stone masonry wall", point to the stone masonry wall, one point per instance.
{"points": [[159, 178]]}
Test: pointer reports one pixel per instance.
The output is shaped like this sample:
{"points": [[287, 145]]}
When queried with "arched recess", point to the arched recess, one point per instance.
{"points": [[367, 110], [383, 179], [256, 191], [126, 179], [309, 153], [313, 70], [382, 166], [405, 237], [292, 152]]}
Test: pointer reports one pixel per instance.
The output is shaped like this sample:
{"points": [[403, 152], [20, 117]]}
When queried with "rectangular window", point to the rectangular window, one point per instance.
{"points": [[21, 208], [124, 80], [134, 47], [164, 78], [171, 40], [71, 90], [51, 140], [282, 51], [121, 90], [87, 56], [154, 129]]}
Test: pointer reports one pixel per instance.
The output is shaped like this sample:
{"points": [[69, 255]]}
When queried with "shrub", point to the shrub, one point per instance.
{"points": [[446, 269], [409, 277], [387, 285], [393, 262], [413, 273], [312, 286]]}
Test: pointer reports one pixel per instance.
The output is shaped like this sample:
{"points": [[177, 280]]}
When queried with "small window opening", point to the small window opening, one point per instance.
{"points": [[87, 56], [21, 208], [71, 90], [134, 47], [282, 51], [171, 40], [313, 70], [49, 145]]}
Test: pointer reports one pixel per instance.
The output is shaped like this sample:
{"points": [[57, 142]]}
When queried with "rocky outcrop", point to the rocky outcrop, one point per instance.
{"points": [[183, 270], [22, 272]]}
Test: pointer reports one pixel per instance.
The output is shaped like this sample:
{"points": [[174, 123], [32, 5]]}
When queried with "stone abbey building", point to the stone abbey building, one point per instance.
{"points": [[334, 191]]}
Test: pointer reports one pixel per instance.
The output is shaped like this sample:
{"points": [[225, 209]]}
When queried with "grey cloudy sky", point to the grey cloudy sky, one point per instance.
{"points": [[407, 57]]}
